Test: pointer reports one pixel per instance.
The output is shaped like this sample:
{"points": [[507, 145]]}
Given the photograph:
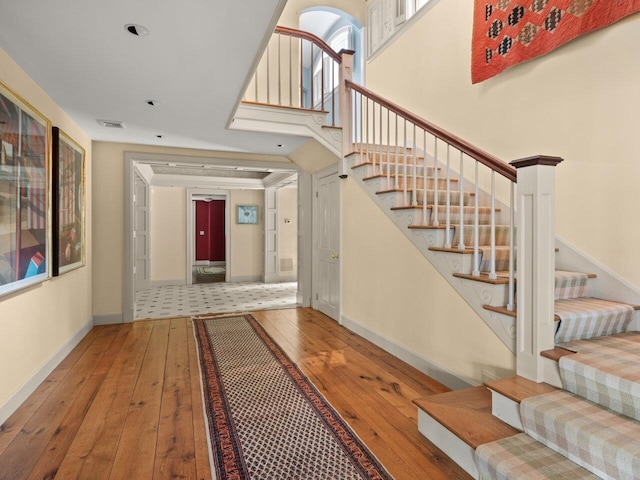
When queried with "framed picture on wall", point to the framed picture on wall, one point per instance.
{"points": [[248, 214], [24, 193], [68, 243]]}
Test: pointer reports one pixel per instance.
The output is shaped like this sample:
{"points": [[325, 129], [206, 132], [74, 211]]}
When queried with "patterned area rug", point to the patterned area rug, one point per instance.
{"points": [[266, 419], [506, 32]]}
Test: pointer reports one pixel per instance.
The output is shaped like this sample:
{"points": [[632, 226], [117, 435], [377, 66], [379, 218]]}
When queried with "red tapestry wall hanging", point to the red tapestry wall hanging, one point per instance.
{"points": [[507, 32]]}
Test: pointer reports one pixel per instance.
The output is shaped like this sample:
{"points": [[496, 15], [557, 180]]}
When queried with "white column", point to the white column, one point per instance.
{"points": [[345, 107], [535, 262]]}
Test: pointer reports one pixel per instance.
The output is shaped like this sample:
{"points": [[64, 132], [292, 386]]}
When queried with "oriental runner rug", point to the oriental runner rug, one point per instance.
{"points": [[507, 32], [266, 420]]}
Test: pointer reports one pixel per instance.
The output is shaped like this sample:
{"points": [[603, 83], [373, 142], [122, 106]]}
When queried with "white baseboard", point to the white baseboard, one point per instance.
{"points": [[245, 278], [437, 372], [108, 319], [29, 386], [168, 283]]}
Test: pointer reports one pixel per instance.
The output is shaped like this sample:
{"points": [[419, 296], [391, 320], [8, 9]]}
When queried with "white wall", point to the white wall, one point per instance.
{"points": [[168, 235], [38, 323]]}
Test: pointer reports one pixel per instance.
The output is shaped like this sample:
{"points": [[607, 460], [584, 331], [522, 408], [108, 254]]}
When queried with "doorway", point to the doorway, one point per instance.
{"points": [[209, 240]]}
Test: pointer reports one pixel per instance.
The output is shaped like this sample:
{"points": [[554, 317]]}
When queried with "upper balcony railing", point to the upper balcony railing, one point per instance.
{"points": [[298, 70]]}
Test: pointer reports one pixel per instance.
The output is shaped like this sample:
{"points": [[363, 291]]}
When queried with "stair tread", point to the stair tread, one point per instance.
{"points": [[587, 300], [518, 388], [467, 414], [420, 178], [556, 353], [520, 456]]}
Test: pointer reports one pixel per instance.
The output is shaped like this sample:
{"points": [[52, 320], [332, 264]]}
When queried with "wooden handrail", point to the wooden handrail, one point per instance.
{"points": [[292, 32], [474, 152]]}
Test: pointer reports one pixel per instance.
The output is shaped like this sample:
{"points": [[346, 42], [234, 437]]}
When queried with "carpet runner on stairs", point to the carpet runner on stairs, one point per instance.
{"points": [[606, 371], [599, 440], [582, 318], [522, 457]]}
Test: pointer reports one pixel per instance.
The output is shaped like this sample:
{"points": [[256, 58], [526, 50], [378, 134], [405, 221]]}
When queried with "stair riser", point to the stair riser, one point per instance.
{"points": [[399, 182], [379, 169], [456, 449]]}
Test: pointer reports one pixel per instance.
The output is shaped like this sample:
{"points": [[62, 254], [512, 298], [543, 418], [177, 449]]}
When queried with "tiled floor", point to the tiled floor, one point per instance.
{"points": [[174, 301]]}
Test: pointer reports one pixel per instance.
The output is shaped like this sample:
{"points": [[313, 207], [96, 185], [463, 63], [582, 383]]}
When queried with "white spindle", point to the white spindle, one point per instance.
{"points": [[268, 78], [414, 203], [404, 173], [373, 134], [279, 71], [388, 149], [512, 251], [381, 141], [425, 177], [290, 72], [492, 272], [434, 214], [396, 171], [447, 214], [461, 245], [476, 219], [333, 95], [311, 89]]}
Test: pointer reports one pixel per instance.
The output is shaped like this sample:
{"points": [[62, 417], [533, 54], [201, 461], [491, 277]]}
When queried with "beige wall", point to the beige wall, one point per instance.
{"points": [[108, 214], [581, 102], [168, 234], [247, 241], [288, 232], [392, 289], [37, 322]]}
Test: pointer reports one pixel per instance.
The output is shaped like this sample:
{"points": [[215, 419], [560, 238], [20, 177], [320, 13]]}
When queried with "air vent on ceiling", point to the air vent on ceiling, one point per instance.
{"points": [[111, 123]]}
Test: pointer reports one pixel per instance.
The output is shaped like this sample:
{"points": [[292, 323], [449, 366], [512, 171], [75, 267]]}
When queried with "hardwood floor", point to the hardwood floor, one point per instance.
{"points": [[125, 403]]}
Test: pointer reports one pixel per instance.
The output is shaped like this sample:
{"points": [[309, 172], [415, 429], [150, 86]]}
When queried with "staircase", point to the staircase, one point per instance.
{"points": [[576, 415], [505, 434]]}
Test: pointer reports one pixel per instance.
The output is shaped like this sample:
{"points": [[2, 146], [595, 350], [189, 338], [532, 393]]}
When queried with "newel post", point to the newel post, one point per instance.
{"points": [[345, 107], [535, 326]]}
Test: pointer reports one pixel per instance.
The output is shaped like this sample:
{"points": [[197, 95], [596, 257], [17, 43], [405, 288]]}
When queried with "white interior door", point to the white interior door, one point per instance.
{"points": [[328, 246], [141, 266]]}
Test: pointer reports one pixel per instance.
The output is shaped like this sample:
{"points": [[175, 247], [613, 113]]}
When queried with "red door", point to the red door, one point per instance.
{"points": [[210, 237]]}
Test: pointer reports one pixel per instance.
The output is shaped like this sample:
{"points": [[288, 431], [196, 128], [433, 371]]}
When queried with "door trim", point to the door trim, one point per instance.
{"points": [[191, 222]]}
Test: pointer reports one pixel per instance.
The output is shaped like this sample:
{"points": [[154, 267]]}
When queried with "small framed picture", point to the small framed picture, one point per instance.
{"points": [[248, 214]]}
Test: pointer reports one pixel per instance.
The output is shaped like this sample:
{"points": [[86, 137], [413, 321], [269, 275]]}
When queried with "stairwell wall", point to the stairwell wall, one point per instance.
{"points": [[390, 289], [580, 102]]}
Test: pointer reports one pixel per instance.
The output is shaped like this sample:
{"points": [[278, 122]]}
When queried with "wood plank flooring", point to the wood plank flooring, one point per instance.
{"points": [[126, 403]]}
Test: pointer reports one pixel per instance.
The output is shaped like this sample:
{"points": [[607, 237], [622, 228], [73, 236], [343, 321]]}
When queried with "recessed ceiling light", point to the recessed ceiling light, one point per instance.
{"points": [[160, 136], [280, 145], [137, 30], [153, 103]]}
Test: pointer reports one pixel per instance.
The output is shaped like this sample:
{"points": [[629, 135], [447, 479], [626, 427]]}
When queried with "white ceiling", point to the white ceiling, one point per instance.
{"points": [[194, 62]]}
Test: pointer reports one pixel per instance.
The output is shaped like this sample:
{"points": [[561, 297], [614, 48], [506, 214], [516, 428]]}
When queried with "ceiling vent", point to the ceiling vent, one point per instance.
{"points": [[111, 123]]}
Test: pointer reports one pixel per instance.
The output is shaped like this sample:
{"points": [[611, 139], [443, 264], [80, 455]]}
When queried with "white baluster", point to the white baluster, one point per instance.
{"points": [[447, 214], [461, 245], [492, 272], [290, 73], [434, 214], [396, 172], [476, 220], [268, 79], [279, 72], [424, 177], [414, 203], [404, 181], [388, 149]]}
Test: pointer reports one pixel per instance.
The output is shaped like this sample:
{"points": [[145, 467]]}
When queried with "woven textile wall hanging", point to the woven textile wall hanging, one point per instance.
{"points": [[507, 32]]}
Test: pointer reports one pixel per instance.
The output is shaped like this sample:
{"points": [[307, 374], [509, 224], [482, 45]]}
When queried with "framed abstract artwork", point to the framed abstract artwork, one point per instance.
{"points": [[25, 166], [68, 242], [248, 214]]}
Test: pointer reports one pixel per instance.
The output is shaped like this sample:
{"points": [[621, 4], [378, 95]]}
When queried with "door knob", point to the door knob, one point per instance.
{"points": [[335, 256]]}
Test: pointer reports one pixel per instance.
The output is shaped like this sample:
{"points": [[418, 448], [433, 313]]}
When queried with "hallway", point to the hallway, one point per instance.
{"points": [[184, 300]]}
